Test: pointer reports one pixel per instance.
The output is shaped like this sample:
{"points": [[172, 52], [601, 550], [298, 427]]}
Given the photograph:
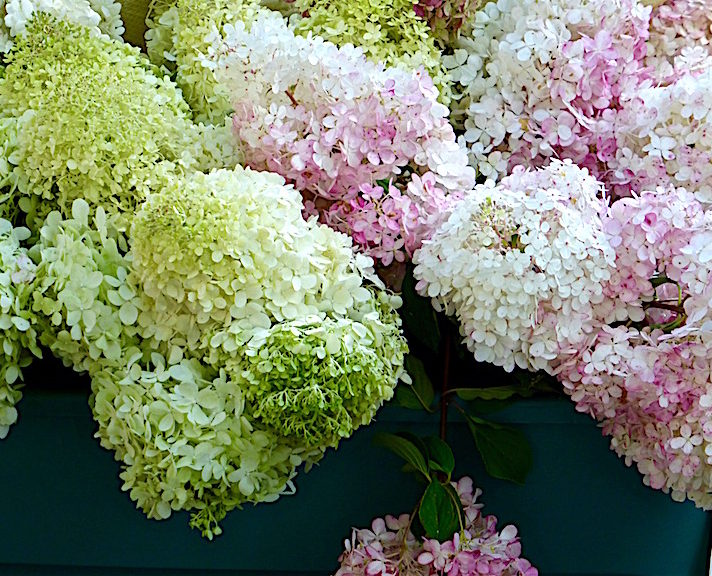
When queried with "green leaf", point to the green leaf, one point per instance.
{"points": [[420, 394], [440, 454], [438, 513], [419, 318], [505, 450], [406, 449]]}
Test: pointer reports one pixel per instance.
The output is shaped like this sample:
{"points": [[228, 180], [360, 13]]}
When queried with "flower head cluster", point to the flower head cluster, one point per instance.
{"points": [[83, 297], [535, 80], [390, 549], [92, 120], [521, 265], [179, 35], [680, 38], [184, 438], [314, 381], [18, 338], [664, 138], [387, 31], [645, 372], [259, 346], [369, 148]]}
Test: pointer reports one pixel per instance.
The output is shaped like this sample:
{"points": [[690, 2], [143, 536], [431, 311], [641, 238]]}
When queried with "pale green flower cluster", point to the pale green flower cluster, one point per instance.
{"points": [[93, 120], [83, 293], [314, 381], [185, 440], [224, 271], [18, 339], [387, 31], [178, 37]]}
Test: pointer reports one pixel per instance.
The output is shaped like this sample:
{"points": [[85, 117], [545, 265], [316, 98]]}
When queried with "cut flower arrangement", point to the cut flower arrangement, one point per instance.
{"points": [[249, 233]]}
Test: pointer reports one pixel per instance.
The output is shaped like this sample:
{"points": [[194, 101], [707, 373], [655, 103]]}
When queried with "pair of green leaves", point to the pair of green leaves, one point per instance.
{"points": [[440, 509]]}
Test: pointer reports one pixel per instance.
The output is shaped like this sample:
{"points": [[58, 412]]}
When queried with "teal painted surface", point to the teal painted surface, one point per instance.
{"points": [[582, 511]]}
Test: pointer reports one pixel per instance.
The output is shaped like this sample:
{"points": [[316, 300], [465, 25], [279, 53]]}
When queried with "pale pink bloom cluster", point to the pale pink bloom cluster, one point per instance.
{"points": [[664, 137], [680, 38], [646, 371], [390, 549], [546, 79], [369, 147]]}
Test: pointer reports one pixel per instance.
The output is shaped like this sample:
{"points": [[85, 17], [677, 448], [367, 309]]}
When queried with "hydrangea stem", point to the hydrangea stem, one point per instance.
{"points": [[444, 398]]}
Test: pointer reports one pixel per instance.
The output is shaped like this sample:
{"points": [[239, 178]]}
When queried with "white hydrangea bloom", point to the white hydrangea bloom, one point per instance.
{"points": [[520, 264], [19, 13], [110, 13]]}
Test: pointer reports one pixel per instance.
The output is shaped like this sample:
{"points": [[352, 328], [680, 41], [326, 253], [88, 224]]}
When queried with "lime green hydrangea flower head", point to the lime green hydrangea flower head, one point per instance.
{"points": [[87, 307], [228, 253], [387, 31], [18, 338], [314, 381], [93, 119], [180, 32], [185, 442]]}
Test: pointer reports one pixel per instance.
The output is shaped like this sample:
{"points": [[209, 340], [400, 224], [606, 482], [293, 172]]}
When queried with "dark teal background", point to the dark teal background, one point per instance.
{"points": [[582, 512]]}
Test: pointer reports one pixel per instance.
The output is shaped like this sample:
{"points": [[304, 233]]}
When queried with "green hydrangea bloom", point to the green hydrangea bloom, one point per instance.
{"points": [[87, 306], [180, 32], [388, 31], [185, 442], [225, 254], [93, 121], [18, 338], [315, 381]]}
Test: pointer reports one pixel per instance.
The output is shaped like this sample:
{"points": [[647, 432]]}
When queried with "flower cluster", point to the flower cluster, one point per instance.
{"points": [[645, 371], [521, 264], [664, 138], [369, 148], [535, 80], [390, 549], [179, 35], [18, 336], [386, 30], [256, 330], [680, 38], [92, 121]]}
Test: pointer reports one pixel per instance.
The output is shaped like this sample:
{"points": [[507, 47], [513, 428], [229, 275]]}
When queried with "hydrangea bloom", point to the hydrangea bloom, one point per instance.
{"points": [[536, 79], [369, 148], [664, 138], [178, 36], [314, 381], [521, 264], [386, 30], [390, 549], [184, 438], [92, 121], [86, 305], [227, 254], [680, 38], [17, 325], [240, 303], [645, 371]]}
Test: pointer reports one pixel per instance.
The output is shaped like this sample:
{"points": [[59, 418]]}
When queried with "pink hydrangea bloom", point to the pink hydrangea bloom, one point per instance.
{"points": [[390, 549], [546, 79], [646, 372], [369, 147]]}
